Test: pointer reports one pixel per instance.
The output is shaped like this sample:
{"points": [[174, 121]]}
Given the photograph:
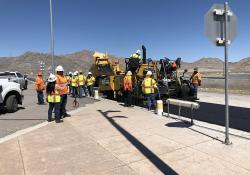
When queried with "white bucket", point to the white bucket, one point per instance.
{"points": [[96, 95], [159, 108]]}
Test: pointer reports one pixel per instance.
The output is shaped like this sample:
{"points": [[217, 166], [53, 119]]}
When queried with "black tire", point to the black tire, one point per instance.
{"points": [[12, 104]]}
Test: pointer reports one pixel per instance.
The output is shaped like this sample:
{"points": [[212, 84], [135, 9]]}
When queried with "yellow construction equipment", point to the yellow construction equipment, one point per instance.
{"points": [[108, 74]]}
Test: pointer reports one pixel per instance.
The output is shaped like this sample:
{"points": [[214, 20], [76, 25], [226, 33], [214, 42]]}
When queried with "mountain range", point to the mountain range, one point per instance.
{"points": [[29, 63]]}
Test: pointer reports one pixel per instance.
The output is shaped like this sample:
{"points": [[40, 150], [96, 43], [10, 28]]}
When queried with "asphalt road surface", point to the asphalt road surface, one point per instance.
{"points": [[30, 113], [212, 110]]}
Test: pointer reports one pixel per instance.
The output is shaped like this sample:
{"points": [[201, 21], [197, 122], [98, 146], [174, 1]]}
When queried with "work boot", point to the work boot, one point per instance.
{"points": [[59, 121], [67, 115]]}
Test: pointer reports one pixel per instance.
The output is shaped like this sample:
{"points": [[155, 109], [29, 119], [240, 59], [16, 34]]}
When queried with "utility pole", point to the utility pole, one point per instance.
{"points": [[52, 38]]}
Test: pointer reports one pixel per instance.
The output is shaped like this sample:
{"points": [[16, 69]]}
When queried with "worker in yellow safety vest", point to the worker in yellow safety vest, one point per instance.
{"points": [[81, 83], [62, 87], [136, 55], [74, 84], [195, 82], [68, 77], [40, 87], [53, 98], [148, 88], [90, 83]]}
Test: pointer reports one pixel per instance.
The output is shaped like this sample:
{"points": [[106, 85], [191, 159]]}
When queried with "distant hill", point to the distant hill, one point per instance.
{"points": [[29, 63]]}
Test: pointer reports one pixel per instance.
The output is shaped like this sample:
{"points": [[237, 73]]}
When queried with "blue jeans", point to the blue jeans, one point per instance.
{"points": [[57, 111], [40, 97], [150, 100], [81, 89], [194, 90], [63, 105], [90, 89]]}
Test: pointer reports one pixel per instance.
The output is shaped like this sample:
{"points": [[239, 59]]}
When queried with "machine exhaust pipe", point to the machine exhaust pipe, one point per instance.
{"points": [[144, 55]]}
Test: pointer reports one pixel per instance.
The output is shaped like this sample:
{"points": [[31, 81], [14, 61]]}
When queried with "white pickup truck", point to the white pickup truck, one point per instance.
{"points": [[10, 95]]}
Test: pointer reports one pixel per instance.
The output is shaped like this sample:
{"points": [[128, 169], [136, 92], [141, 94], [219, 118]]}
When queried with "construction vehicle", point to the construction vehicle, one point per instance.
{"points": [[108, 74], [165, 72]]}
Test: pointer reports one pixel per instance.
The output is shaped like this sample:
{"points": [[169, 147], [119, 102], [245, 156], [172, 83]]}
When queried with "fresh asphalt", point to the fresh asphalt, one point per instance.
{"points": [[30, 113]]}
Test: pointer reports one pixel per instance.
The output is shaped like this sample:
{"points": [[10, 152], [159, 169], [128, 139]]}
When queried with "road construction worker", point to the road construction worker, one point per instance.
{"points": [[62, 87], [128, 89], [40, 87], [195, 82], [74, 84], [90, 83], [53, 98], [81, 83], [148, 88], [136, 55], [68, 77]]}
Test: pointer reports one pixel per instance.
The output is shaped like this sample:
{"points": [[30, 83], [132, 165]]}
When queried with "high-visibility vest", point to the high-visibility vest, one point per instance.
{"points": [[135, 56], [196, 78], [74, 81], [62, 85], [68, 79], [127, 83], [90, 81], [81, 80], [54, 97], [148, 86], [39, 84]]}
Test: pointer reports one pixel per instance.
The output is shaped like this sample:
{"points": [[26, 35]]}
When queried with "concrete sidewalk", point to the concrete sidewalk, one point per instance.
{"points": [[107, 138]]}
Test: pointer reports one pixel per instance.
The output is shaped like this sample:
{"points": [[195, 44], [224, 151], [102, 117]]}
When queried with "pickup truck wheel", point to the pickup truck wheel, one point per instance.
{"points": [[12, 104]]}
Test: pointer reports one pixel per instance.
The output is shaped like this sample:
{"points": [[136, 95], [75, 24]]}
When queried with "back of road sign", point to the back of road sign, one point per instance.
{"points": [[214, 24]]}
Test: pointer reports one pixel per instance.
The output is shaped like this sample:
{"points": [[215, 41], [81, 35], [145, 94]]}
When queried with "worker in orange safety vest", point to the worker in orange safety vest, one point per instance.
{"points": [[128, 89], [40, 87]]}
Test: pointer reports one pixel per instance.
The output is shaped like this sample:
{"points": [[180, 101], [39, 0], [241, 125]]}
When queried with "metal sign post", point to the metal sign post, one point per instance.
{"points": [[52, 38], [220, 24]]}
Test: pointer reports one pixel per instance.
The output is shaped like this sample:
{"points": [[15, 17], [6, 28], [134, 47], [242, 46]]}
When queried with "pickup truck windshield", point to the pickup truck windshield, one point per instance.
{"points": [[7, 75]]}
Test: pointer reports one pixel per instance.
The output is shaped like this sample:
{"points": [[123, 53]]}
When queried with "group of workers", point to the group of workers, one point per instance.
{"points": [[59, 86], [80, 85], [57, 89]]}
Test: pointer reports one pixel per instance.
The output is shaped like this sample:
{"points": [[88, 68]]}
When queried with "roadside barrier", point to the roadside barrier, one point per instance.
{"points": [[182, 103]]}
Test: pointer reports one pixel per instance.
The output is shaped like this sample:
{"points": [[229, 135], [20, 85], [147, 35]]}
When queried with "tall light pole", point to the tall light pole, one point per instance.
{"points": [[52, 38]]}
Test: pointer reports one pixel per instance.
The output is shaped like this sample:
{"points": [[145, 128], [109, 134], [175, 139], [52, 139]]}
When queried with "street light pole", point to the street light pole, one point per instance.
{"points": [[227, 142], [52, 38]]}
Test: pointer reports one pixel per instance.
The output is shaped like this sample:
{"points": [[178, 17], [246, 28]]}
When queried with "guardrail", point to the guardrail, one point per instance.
{"points": [[182, 103]]}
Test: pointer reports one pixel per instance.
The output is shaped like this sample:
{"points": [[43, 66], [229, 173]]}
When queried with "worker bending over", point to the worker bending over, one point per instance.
{"points": [[90, 83], [128, 89], [195, 82], [62, 87], [40, 87], [136, 55], [148, 88]]}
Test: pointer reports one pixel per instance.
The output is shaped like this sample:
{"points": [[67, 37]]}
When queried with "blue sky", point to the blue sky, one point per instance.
{"points": [[171, 28]]}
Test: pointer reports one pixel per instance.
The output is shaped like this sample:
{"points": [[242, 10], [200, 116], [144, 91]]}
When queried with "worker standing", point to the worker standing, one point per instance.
{"points": [[90, 83], [195, 82], [40, 87], [136, 55], [53, 98], [81, 83], [61, 86], [128, 89], [74, 84], [148, 88], [69, 82]]}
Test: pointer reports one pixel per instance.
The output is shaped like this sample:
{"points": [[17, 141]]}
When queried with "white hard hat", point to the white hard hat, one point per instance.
{"points": [[52, 78], [75, 73], [59, 69], [138, 52], [70, 73], [90, 73], [129, 73], [149, 73]]}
